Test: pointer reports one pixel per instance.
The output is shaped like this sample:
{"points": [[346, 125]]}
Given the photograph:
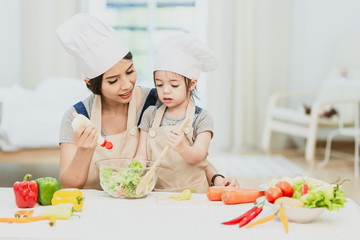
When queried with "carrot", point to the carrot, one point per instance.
{"points": [[10, 220], [262, 220], [214, 193], [24, 213], [236, 196], [52, 221], [28, 219], [283, 218]]}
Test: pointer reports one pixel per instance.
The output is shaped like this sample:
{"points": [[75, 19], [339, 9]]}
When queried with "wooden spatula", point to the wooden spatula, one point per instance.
{"points": [[149, 175]]}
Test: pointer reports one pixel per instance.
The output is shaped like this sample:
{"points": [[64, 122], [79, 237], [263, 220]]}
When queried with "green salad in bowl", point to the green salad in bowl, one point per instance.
{"points": [[304, 198], [120, 177], [315, 193]]}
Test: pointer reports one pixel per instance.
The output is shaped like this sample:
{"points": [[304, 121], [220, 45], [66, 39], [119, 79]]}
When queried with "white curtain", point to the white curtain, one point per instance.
{"points": [[9, 43], [42, 55], [251, 39]]}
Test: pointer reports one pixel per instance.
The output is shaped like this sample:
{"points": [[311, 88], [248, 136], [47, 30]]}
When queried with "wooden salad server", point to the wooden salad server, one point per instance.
{"points": [[149, 175]]}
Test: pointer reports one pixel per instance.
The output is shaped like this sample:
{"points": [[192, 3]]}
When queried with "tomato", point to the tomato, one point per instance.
{"points": [[273, 193], [120, 193], [286, 188], [304, 189]]}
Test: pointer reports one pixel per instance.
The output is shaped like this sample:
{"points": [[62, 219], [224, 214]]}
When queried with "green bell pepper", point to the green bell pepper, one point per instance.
{"points": [[47, 187]]}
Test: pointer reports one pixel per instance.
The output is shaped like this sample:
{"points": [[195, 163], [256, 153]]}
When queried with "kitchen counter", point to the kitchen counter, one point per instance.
{"points": [[158, 217]]}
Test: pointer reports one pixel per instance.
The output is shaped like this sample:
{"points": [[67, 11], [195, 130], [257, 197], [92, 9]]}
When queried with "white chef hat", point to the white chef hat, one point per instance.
{"points": [[185, 54], [96, 46]]}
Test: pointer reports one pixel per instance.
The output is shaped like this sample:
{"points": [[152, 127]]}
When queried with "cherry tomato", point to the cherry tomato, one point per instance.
{"points": [[273, 193], [286, 188]]}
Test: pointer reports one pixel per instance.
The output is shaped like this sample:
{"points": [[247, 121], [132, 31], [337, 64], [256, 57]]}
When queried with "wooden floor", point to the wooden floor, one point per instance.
{"points": [[341, 165], [45, 162]]}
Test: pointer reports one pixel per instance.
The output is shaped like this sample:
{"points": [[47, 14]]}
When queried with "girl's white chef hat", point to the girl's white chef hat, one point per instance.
{"points": [[185, 54], [96, 46]]}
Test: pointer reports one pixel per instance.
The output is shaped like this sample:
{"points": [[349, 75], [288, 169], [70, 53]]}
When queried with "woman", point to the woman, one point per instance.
{"points": [[106, 63]]}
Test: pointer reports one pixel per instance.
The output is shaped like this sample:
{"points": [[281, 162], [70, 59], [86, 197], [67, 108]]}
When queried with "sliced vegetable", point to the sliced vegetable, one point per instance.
{"points": [[122, 183], [184, 195], [236, 196], [302, 185], [315, 193], [24, 213], [325, 196]]}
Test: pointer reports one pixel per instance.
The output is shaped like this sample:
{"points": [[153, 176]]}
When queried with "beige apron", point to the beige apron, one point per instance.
{"points": [[124, 144], [175, 174]]}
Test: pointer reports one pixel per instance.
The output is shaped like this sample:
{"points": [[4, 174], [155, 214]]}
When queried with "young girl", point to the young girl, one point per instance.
{"points": [[177, 68]]}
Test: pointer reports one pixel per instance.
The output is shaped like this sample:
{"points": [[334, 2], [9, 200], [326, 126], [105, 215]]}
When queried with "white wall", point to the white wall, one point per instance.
{"points": [[10, 42], [317, 28], [42, 53], [29, 48], [251, 39]]}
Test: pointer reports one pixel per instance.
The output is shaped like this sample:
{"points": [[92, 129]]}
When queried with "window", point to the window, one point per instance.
{"points": [[143, 25]]}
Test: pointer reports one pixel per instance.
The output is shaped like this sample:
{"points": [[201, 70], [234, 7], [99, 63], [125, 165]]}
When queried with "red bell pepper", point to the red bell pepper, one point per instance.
{"points": [[26, 192]]}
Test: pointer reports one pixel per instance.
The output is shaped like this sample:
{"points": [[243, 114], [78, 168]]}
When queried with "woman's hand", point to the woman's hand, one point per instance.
{"points": [[86, 136], [226, 182], [176, 140]]}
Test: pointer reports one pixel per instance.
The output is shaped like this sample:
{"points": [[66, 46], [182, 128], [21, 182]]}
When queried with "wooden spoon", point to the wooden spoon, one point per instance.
{"points": [[149, 175]]}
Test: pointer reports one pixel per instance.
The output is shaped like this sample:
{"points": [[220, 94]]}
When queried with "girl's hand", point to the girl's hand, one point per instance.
{"points": [[231, 182], [226, 182], [86, 136], [176, 140]]}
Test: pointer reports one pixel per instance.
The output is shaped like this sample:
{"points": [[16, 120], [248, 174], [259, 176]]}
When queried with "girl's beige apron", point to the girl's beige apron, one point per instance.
{"points": [[175, 174], [124, 144]]}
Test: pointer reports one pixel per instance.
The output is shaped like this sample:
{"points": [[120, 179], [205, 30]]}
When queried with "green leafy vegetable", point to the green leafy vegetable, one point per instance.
{"points": [[323, 195], [124, 182]]}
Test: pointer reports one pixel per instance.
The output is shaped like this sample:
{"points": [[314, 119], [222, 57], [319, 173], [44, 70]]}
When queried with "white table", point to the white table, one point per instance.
{"points": [[158, 217]]}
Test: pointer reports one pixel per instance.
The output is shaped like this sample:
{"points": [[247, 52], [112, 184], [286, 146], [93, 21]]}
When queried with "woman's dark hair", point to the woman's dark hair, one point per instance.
{"points": [[95, 83]]}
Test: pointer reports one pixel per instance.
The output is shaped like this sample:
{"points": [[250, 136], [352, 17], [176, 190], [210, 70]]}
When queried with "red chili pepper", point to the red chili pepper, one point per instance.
{"points": [[304, 189], [238, 219], [26, 192], [250, 217]]}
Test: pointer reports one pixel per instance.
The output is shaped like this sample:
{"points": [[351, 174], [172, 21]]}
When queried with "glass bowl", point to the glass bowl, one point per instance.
{"points": [[119, 177]]}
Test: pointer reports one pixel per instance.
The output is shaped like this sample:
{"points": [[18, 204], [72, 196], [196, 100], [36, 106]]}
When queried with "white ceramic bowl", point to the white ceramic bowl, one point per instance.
{"points": [[299, 214]]}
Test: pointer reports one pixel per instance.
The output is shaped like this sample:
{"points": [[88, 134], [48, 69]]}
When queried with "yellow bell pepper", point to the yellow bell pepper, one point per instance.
{"points": [[69, 195]]}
